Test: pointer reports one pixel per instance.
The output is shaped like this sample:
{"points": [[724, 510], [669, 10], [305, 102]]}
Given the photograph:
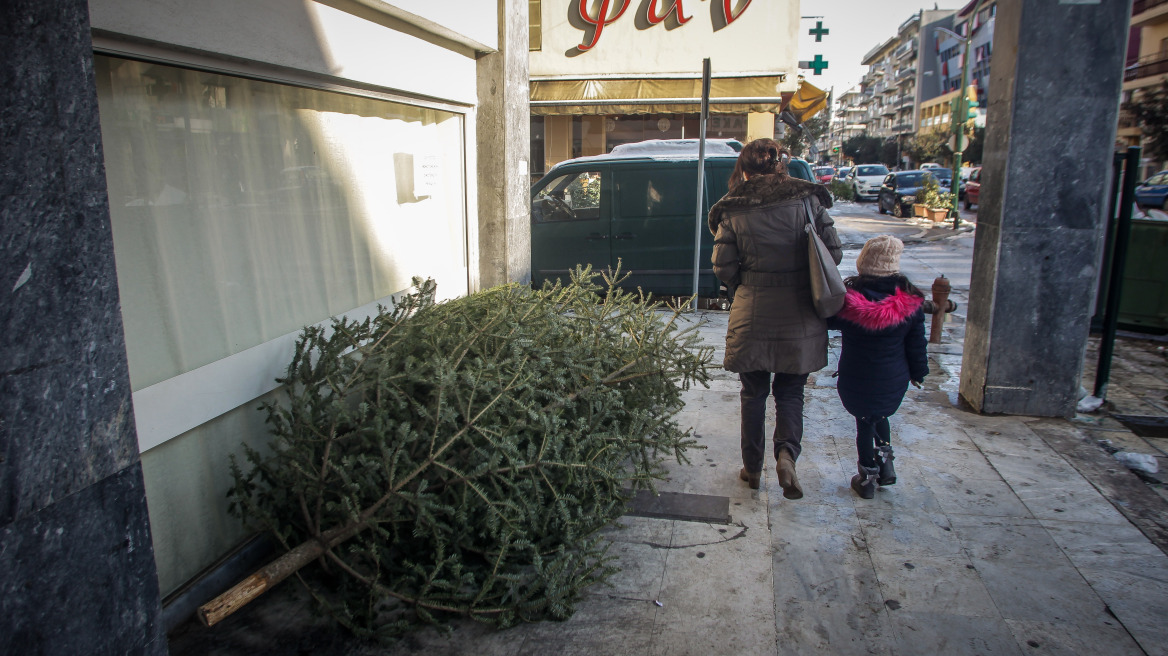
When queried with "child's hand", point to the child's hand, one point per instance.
{"points": [[916, 383]]}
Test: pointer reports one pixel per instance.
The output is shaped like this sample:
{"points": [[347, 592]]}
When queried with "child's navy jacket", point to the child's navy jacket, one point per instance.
{"points": [[884, 347]]}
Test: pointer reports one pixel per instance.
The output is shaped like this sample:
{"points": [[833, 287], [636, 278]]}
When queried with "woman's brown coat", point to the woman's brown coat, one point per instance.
{"points": [[760, 252]]}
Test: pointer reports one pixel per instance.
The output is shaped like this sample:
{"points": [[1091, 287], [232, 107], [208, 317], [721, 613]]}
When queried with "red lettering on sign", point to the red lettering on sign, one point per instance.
{"points": [[600, 20], [654, 17], [730, 14]]}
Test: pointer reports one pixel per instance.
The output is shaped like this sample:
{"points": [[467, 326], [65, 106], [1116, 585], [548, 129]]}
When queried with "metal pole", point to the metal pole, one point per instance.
{"points": [[699, 221], [1115, 283], [1108, 241], [960, 115]]}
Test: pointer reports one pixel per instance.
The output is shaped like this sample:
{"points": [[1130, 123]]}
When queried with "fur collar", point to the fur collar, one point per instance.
{"points": [[766, 189], [889, 311]]}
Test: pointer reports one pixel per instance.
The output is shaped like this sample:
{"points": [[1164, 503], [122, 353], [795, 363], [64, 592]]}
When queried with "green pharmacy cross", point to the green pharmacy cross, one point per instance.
{"points": [[818, 32], [818, 64]]}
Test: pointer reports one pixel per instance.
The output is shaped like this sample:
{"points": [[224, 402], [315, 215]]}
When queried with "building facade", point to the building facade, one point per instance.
{"points": [[849, 120], [1146, 68], [269, 167], [608, 73]]}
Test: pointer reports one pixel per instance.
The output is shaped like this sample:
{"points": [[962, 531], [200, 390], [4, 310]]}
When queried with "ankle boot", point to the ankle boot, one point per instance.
{"points": [[787, 478], [753, 480], [884, 460], [864, 483]]}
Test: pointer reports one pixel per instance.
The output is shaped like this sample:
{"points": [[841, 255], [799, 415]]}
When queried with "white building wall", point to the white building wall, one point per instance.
{"points": [[192, 418], [367, 46]]}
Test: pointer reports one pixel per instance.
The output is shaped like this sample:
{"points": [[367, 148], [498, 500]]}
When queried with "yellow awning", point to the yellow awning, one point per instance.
{"points": [[807, 101], [728, 95]]}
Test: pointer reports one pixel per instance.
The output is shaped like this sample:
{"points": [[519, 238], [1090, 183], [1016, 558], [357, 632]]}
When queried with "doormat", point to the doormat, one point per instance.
{"points": [[676, 505], [1145, 425]]}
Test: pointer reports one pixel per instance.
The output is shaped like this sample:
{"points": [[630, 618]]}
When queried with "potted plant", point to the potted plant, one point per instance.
{"points": [[936, 202], [939, 211]]}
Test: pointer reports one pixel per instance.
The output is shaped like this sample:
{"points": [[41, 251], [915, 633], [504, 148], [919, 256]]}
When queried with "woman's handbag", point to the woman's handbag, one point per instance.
{"points": [[827, 287]]}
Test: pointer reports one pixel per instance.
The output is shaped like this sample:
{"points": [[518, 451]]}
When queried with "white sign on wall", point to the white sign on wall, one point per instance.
{"points": [[426, 172]]}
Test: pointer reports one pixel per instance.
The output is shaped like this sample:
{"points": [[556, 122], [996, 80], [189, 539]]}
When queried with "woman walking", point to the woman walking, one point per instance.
{"points": [[775, 339], [884, 348]]}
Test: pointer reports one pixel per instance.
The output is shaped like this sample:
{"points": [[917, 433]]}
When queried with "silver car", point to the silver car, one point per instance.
{"points": [[865, 180]]}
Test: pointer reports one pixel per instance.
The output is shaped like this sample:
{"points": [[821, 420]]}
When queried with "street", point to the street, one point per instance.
{"points": [[931, 250]]}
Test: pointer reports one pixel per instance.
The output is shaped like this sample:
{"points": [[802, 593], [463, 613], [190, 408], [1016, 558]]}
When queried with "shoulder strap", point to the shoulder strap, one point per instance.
{"points": [[810, 213]]}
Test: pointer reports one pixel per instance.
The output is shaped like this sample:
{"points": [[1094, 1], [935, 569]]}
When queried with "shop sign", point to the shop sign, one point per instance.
{"points": [[655, 12]]}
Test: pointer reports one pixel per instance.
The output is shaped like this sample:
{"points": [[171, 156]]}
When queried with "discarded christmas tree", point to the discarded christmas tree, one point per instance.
{"points": [[459, 458]]}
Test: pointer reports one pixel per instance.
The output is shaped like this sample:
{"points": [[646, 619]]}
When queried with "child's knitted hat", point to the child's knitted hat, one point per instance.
{"points": [[880, 256]]}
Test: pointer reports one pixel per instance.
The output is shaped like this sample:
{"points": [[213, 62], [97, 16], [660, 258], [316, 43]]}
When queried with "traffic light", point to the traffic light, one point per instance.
{"points": [[971, 101]]}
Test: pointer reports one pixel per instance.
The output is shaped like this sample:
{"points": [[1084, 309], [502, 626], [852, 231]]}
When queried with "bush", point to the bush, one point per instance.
{"points": [[840, 190]]}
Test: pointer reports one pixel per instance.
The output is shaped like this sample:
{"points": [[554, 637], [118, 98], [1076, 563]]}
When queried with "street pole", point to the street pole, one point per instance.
{"points": [[960, 115], [700, 220]]}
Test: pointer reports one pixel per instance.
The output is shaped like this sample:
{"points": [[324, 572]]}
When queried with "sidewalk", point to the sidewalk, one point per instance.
{"points": [[991, 542]]}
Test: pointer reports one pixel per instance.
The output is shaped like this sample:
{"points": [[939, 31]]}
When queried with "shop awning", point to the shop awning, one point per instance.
{"points": [[728, 95], [807, 102]]}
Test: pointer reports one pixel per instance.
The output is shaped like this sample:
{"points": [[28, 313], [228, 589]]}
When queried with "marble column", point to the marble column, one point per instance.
{"points": [[77, 572], [503, 129], [1053, 101]]}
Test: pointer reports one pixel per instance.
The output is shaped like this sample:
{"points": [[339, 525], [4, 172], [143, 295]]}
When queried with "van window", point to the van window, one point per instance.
{"points": [[663, 192], [570, 197]]}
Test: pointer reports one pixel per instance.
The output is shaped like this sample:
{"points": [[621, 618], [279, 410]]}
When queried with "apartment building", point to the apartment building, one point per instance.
{"points": [[896, 76], [849, 120], [1147, 68]]}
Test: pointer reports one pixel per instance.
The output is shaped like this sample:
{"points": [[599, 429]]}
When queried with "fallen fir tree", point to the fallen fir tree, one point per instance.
{"points": [[460, 458]]}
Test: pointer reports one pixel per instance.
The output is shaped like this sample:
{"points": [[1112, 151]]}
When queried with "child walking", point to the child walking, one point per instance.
{"points": [[884, 349]]}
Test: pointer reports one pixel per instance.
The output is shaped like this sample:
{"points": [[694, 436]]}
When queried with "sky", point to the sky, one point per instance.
{"points": [[855, 27]]}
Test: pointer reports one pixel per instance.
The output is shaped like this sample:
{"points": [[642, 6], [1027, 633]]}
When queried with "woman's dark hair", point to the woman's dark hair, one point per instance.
{"points": [[902, 283], [759, 157]]}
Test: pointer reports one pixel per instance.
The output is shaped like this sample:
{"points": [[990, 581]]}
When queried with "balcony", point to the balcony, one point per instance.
{"points": [[909, 47], [888, 110], [906, 74], [1156, 64], [1127, 120]]}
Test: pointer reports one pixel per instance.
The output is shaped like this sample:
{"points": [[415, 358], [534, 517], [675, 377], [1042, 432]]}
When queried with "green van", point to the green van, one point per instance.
{"points": [[634, 205]]}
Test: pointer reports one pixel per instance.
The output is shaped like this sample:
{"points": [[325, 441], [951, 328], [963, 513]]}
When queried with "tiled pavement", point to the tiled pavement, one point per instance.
{"points": [[991, 542]]}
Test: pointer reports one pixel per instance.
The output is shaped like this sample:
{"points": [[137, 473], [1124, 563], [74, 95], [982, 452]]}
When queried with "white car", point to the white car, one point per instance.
{"points": [[865, 180]]}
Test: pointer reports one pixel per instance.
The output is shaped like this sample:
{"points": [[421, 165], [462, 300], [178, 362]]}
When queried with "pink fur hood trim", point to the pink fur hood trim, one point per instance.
{"points": [[878, 315]]}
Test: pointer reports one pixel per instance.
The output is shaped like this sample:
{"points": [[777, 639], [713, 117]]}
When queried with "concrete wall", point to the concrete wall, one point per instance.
{"points": [[504, 138], [1039, 235], [76, 568], [342, 39]]}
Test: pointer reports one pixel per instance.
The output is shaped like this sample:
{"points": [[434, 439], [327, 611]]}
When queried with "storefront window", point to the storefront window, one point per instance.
{"points": [[243, 210]]}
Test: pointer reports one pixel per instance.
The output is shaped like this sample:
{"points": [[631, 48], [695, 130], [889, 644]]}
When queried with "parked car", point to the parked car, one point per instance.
{"points": [[865, 180], [973, 187], [824, 174], [930, 165], [842, 173], [899, 191], [944, 177], [964, 175], [635, 206], [1153, 192]]}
